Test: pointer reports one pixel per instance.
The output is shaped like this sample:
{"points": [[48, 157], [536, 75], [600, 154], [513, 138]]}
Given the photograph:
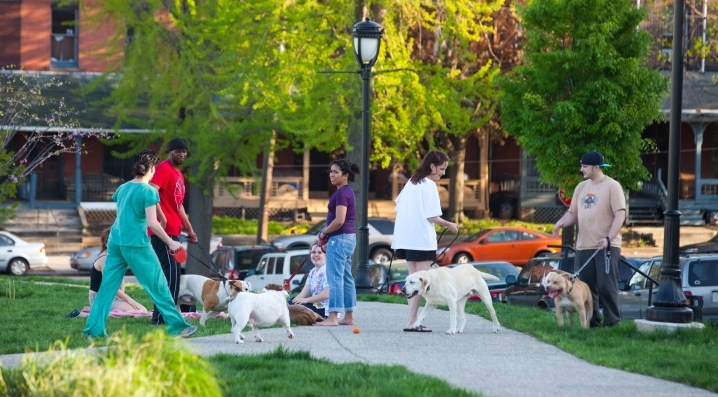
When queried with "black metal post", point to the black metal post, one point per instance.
{"points": [[669, 305], [363, 281]]}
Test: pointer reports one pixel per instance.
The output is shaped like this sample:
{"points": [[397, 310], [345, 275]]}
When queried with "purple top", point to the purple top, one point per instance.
{"points": [[343, 196]]}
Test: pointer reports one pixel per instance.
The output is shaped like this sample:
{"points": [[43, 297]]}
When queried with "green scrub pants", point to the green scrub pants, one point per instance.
{"points": [[147, 270]]}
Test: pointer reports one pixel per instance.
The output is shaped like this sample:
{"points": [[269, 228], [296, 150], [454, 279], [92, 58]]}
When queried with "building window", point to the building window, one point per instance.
{"points": [[63, 38]]}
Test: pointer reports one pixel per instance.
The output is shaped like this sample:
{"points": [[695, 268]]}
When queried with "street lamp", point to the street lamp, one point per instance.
{"points": [[367, 40], [669, 304]]}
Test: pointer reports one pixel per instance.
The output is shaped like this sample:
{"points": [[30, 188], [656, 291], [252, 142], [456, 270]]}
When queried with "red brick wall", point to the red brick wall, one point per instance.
{"points": [[35, 34], [94, 41], [10, 34]]}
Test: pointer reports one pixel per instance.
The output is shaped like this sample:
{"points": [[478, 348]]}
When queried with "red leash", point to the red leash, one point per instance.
{"points": [[287, 281]]}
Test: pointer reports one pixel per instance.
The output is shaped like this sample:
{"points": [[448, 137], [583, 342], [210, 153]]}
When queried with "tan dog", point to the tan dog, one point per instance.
{"points": [[571, 296], [298, 313], [212, 295]]}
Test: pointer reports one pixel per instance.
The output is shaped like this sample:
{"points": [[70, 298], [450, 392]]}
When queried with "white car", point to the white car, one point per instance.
{"points": [[85, 258], [18, 255], [276, 267]]}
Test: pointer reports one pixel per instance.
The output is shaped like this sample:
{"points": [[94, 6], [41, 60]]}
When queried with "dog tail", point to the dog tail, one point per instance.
{"points": [[489, 277]]}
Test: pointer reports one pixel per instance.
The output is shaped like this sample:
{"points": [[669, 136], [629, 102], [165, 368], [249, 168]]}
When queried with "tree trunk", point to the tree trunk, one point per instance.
{"points": [[201, 200], [456, 188], [265, 191]]}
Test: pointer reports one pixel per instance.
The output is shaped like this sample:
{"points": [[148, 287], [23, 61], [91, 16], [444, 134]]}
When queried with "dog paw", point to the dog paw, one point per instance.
{"points": [[450, 332], [258, 340], [241, 337], [290, 336]]}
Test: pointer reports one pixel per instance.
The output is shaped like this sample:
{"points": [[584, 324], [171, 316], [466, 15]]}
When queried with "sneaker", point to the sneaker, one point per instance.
{"points": [[187, 332]]}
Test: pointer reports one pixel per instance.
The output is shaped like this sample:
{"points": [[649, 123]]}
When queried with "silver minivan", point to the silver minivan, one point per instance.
{"points": [[699, 277], [276, 267]]}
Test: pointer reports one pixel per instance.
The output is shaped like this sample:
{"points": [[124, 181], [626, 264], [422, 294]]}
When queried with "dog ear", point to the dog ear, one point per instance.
{"points": [[566, 276]]}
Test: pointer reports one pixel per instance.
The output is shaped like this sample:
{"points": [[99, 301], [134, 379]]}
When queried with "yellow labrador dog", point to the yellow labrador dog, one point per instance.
{"points": [[571, 296], [451, 287]]}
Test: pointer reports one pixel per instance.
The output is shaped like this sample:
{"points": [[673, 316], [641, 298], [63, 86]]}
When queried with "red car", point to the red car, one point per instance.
{"points": [[511, 244]]}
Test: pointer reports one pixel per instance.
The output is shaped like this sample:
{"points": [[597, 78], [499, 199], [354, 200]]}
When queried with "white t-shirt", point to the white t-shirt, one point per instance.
{"points": [[414, 206]]}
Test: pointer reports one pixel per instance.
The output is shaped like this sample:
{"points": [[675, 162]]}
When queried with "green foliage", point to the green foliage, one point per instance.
{"points": [[285, 373], [584, 86], [232, 225], [152, 365]]}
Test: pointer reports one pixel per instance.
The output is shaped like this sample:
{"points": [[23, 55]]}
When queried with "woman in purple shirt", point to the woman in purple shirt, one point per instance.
{"points": [[340, 245]]}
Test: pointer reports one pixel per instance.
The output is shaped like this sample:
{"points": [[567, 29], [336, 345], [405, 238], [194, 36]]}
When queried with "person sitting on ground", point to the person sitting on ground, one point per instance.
{"points": [[122, 301], [315, 294]]}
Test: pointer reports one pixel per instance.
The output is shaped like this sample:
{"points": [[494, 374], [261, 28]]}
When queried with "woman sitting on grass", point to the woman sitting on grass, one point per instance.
{"points": [[315, 294], [122, 301]]}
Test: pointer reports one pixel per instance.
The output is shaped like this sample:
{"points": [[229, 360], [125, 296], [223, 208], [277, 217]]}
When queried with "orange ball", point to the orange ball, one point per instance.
{"points": [[356, 330]]}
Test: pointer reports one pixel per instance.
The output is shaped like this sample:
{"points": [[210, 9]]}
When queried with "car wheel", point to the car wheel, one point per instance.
{"points": [[381, 255], [462, 258], [18, 267]]}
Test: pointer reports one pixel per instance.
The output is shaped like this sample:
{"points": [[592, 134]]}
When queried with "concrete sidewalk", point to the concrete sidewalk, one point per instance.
{"points": [[507, 363]]}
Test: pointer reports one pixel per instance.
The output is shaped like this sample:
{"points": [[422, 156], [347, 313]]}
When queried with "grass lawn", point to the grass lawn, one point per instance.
{"points": [[687, 356], [33, 317]]}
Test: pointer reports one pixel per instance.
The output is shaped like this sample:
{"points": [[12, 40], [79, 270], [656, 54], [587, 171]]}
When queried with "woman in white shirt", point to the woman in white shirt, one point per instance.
{"points": [[418, 209]]}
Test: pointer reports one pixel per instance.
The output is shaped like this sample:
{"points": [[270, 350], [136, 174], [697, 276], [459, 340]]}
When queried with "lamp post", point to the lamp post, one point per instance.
{"points": [[367, 39], [669, 302]]}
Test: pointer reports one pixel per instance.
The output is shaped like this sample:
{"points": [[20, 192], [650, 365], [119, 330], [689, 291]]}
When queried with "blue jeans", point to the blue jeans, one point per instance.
{"points": [[342, 293]]}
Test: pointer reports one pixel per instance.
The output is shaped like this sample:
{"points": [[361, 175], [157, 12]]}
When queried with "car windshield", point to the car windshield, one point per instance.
{"points": [[500, 270], [477, 235], [316, 228]]}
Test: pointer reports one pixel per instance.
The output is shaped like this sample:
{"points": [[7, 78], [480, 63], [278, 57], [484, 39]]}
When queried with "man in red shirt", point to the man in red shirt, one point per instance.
{"points": [[169, 181]]}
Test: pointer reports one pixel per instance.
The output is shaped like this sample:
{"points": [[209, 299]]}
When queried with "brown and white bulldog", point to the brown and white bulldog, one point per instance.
{"points": [[571, 296], [213, 295], [298, 313]]}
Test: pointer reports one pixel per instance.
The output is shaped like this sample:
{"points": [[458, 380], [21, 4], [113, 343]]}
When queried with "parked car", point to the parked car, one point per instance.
{"points": [[85, 258], [699, 278], [17, 256], [710, 246], [235, 262], [381, 232], [392, 281], [276, 267], [511, 244], [388, 280]]}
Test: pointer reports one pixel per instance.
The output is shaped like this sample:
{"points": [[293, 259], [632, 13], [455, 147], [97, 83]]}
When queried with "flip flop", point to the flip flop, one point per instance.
{"points": [[420, 328]]}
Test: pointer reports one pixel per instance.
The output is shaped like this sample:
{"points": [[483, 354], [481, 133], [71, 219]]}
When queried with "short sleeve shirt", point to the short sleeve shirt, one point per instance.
{"points": [[317, 282], [595, 204], [170, 182], [344, 196], [130, 227], [414, 206]]}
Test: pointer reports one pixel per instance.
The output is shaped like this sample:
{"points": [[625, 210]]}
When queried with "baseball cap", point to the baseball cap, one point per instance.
{"points": [[594, 158]]}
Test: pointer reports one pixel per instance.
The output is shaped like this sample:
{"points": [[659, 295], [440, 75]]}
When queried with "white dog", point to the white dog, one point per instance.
{"points": [[265, 309], [451, 287], [213, 295]]}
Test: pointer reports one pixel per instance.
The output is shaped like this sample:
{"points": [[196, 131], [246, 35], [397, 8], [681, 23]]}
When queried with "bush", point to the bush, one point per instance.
{"points": [[231, 225], [156, 365]]}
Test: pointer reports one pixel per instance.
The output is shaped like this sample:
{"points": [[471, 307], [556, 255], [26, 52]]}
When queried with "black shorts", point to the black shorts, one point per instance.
{"points": [[415, 255]]}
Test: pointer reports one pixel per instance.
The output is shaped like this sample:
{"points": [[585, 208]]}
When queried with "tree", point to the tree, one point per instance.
{"points": [[584, 85], [34, 126]]}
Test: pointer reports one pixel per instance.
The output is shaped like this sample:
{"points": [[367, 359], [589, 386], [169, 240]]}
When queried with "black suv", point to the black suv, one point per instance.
{"points": [[236, 261]]}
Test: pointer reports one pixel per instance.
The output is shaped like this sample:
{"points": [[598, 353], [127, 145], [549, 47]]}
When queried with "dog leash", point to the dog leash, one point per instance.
{"points": [[214, 269], [607, 261], [301, 265], [434, 263]]}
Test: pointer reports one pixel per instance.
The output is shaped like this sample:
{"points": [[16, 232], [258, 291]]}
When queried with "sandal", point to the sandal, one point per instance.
{"points": [[420, 328]]}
